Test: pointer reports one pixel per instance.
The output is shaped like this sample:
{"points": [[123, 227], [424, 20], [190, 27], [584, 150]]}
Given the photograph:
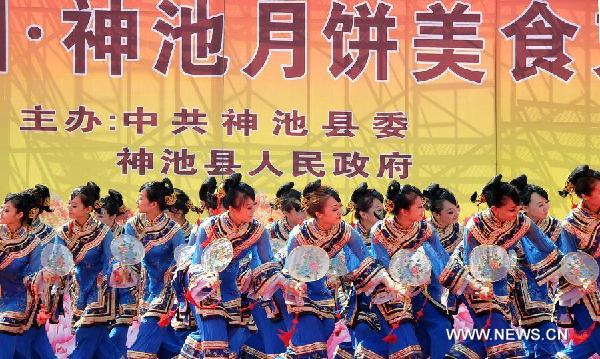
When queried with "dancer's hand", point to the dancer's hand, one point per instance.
{"points": [[589, 288], [481, 290], [295, 288]]}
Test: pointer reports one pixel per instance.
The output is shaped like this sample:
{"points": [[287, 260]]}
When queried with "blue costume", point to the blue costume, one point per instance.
{"points": [[93, 300], [183, 322], [316, 317], [495, 314], [159, 237], [222, 324], [533, 305], [360, 320], [19, 263], [35, 340], [125, 303], [581, 232], [398, 318], [269, 314]]}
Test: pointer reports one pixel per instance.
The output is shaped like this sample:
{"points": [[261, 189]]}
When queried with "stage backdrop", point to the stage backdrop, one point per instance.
{"points": [[122, 92]]}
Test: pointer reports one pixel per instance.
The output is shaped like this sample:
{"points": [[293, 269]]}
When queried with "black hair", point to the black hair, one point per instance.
{"points": [[158, 191], [402, 196], [526, 189], [112, 203], [436, 196], [289, 198], [236, 191], [89, 194], [24, 202], [207, 193], [183, 202], [42, 197], [495, 192], [363, 198], [582, 178]]}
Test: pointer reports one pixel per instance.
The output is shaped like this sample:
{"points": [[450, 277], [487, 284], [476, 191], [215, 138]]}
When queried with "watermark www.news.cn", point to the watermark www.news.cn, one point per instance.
{"points": [[507, 334]]}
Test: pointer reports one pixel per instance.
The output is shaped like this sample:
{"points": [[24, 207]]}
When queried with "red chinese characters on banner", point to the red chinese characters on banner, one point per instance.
{"points": [[275, 18], [182, 162], [37, 118], [78, 117], [340, 124], [185, 120], [200, 40], [222, 162], [394, 165], [3, 36], [390, 124], [373, 37], [245, 122], [448, 40], [139, 119], [350, 164], [266, 163], [113, 37], [305, 162], [293, 123], [539, 42], [140, 161]]}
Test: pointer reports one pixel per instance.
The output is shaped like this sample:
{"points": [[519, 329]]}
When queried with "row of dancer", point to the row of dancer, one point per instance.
{"points": [[243, 309]]}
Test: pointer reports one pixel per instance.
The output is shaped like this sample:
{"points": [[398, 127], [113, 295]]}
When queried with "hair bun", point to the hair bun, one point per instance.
{"points": [[520, 182], [360, 191], [393, 189], [284, 190], [232, 181], [311, 187], [432, 191], [473, 197]]}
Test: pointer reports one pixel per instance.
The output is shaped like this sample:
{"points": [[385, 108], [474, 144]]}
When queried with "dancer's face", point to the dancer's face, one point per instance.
{"points": [[538, 207], [245, 212], [78, 210], [507, 211], [369, 217], [330, 214], [415, 212], [593, 199], [9, 214], [294, 217], [448, 215]]}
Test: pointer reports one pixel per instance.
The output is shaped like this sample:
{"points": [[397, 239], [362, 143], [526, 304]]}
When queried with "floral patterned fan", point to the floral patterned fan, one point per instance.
{"points": [[57, 259], [127, 249], [489, 263], [307, 263], [410, 267], [217, 255], [579, 268], [183, 253]]}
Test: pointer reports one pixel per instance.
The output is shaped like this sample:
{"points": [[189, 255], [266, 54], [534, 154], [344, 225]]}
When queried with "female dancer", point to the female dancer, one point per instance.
{"points": [[534, 305], [159, 235], [405, 229], [112, 206], [326, 229], [35, 340], [93, 302], [219, 316], [501, 225], [366, 204], [270, 315], [19, 263], [581, 233]]}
